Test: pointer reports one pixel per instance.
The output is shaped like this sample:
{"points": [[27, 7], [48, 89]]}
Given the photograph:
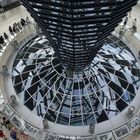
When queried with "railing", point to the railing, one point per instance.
{"points": [[130, 38], [17, 41], [126, 129]]}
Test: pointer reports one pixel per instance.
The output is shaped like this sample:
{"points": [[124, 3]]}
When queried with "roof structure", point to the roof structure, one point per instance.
{"points": [[77, 29]]}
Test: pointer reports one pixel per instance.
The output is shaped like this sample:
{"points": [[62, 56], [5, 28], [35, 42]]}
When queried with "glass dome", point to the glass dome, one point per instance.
{"points": [[95, 94]]}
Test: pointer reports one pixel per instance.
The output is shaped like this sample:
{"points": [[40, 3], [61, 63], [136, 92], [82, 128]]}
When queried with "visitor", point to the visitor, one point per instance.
{"points": [[15, 28], [2, 40], [2, 134], [125, 21], [28, 22], [15, 44], [22, 21], [8, 125], [6, 36], [10, 30], [19, 26], [134, 22], [1, 48], [121, 32], [13, 134], [134, 28], [3, 120]]}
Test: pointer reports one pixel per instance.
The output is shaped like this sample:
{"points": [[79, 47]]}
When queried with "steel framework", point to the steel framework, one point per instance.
{"points": [[77, 29]]}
